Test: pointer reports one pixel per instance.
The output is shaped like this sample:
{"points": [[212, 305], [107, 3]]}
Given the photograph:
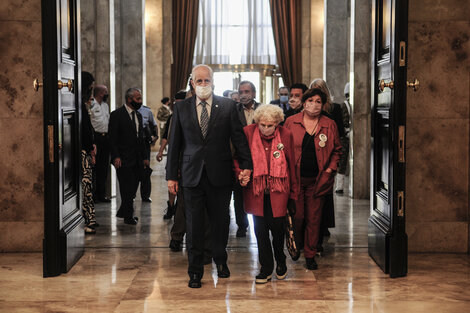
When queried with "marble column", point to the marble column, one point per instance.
{"points": [[336, 54], [360, 68], [158, 51], [312, 39], [437, 135], [21, 126]]}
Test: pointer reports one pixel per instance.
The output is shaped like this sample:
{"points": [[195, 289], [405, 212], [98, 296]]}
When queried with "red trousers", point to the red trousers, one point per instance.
{"points": [[307, 217]]}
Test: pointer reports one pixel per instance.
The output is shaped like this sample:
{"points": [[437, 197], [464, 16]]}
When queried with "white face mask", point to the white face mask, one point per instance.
{"points": [[204, 92]]}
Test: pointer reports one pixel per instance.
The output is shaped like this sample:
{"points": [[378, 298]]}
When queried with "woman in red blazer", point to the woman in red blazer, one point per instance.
{"points": [[317, 152], [272, 188]]}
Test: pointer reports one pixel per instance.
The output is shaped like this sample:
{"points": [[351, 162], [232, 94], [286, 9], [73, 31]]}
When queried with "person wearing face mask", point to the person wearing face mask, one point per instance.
{"points": [[200, 158], [317, 151], [128, 151], [99, 116], [273, 187], [295, 105], [283, 101], [246, 108]]}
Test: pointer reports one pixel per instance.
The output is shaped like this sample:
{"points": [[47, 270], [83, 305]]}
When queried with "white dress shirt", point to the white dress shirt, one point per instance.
{"points": [[99, 116]]}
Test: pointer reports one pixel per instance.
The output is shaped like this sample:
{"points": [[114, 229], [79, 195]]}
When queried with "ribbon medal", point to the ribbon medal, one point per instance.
{"points": [[323, 137], [276, 154], [321, 144], [280, 146]]}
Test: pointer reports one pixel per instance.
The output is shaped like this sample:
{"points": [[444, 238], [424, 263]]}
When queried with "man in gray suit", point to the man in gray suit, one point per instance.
{"points": [[202, 128]]}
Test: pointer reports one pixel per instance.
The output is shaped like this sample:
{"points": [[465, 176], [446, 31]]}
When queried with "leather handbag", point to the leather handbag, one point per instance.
{"points": [[292, 248]]}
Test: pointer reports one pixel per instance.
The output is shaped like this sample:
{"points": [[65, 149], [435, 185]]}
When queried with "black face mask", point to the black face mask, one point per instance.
{"points": [[105, 98], [136, 105]]}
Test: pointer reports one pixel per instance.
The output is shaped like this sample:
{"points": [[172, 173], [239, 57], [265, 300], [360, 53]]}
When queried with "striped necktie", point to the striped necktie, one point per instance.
{"points": [[204, 123]]}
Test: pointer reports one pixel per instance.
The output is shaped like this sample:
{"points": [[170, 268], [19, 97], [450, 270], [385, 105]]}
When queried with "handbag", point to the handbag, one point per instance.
{"points": [[294, 252]]}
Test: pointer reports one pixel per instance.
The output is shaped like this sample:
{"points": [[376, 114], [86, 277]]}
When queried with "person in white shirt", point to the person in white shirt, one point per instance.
{"points": [[99, 115]]}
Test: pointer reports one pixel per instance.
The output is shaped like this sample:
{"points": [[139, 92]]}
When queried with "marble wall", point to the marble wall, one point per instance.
{"points": [[360, 66], [158, 51], [437, 147], [21, 127], [336, 56], [312, 39]]}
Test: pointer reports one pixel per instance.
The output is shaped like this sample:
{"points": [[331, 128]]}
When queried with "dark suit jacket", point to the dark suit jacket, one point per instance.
{"points": [[124, 141], [241, 112], [212, 152]]}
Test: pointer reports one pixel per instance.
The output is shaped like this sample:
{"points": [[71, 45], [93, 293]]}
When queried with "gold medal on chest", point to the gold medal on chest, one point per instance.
{"points": [[280, 146], [323, 137], [321, 144], [276, 154]]}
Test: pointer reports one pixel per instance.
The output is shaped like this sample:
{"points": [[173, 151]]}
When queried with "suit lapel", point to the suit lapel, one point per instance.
{"points": [[214, 111], [193, 113]]}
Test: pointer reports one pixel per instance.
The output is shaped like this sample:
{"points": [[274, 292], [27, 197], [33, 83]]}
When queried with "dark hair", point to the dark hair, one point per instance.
{"points": [[283, 87], [226, 93], [165, 100], [244, 82], [299, 86], [180, 95], [314, 92], [87, 82]]}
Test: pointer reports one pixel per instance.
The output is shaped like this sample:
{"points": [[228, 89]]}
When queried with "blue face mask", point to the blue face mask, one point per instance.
{"points": [[284, 99]]}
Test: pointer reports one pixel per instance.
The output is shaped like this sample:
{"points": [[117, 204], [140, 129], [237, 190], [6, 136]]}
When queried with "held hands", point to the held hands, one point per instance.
{"points": [[117, 163], [244, 177], [173, 186], [291, 207], [146, 163], [329, 170]]}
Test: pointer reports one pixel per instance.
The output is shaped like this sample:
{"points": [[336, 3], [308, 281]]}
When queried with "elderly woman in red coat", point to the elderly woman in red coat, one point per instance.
{"points": [[271, 188], [317, 153]]}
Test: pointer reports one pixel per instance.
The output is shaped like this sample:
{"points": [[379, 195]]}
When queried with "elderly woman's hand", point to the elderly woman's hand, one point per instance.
{"points": [[244, 177]]}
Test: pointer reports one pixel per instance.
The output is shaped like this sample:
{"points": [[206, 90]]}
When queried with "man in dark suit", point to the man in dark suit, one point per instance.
{"points": [[246, 110], [283, 100], [128, 151], [201, 130]]}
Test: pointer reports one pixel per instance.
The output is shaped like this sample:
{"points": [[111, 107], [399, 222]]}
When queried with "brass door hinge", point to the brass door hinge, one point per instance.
{"points": [[401, 204], [50, 141]]}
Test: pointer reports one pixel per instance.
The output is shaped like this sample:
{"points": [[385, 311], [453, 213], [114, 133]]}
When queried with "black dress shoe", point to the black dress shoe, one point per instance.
{"points": [[147, 200], [120, 215], [130, 221], [175, 245], [311, 264], [194, 281], [241, 233], [223, 271]]}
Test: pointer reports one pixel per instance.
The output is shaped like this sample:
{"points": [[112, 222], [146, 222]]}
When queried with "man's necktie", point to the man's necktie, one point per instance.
{"points": [[204, 119], [133, 120]]}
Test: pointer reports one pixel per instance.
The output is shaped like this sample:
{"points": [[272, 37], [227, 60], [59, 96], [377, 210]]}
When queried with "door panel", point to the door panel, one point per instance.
{"points": [[387, 237], [63, 231]]}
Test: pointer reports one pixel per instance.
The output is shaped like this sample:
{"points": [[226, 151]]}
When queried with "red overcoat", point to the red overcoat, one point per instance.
{"points": [[327, 156], [254, 204]]}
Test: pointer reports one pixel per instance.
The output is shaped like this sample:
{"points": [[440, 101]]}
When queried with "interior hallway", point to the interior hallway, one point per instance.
{"points": [[131, 269]]}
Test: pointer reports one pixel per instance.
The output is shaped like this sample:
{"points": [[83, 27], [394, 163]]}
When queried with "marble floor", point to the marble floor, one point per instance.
{"points": [[131, 269]]}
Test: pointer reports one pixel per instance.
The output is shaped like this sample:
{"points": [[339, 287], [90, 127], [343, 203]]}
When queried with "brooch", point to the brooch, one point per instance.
{"points": [[323, 137], [321, 144], [280, 146], [276, 154]]}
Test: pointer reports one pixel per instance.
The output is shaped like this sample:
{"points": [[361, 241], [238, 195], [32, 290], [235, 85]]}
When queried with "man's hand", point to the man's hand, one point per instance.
{"points": [[146, 163], [291, 207], [160, 156], [244, 177], [329, 170], [117, 163], [173, 186]]}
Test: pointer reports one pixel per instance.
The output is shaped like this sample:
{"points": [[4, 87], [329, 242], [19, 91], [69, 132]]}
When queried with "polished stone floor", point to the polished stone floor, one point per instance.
{"points": [[130, 269]]}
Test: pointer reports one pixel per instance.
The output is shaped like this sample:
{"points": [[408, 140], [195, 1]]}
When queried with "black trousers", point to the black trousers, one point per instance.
{"points": [[214, 200], [102, 164], [240, 215], [128, 182], [264, 224], [145, 183]]}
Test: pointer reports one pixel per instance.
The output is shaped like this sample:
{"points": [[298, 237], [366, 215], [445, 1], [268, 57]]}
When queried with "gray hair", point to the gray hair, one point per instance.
{"points": [[269, 111], [130, 92], [247, 82], [203, 66]]}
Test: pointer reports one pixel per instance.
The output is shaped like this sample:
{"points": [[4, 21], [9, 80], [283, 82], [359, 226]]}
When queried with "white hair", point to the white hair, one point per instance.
{"points": [[270, 112], [203, 66]]}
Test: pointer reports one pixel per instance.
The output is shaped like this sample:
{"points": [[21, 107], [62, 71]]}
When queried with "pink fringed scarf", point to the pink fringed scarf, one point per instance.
{"points": [[277, 175]]}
